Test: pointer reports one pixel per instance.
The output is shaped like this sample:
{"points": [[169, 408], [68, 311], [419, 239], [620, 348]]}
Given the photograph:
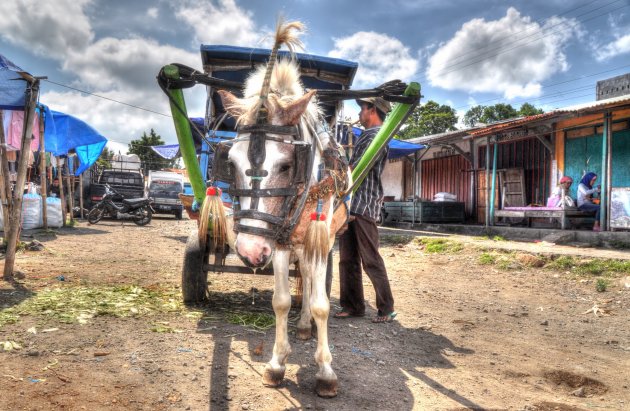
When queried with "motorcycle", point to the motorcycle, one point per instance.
{"points": [[138, 210]]}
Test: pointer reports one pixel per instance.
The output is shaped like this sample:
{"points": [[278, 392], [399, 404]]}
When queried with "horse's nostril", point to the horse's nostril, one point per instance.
{"points": [[263, 259], [266, 251]]}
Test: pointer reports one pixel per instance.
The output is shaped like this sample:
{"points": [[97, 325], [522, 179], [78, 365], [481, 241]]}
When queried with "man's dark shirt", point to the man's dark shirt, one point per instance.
{"points": [[367, 200]]}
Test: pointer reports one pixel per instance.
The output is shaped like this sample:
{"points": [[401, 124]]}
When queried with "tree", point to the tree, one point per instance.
{"points": [[529, 110], [427, 119], [473, 116], [149, 158], [104, 160], [498, 112]]}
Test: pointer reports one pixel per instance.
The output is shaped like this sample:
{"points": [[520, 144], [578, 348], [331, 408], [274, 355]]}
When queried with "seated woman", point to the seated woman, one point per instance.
{"points": [[585, 197], [560, 195]]}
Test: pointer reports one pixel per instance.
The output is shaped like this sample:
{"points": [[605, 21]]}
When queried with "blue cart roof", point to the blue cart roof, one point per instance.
{"points": [[219, 58]]}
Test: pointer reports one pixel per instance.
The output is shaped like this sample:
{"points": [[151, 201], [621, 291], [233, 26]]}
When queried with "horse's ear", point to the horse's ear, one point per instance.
{"points": [[290, 114], [231, 103]]}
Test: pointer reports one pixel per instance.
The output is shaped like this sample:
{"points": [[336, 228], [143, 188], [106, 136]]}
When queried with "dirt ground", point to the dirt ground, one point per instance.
{"points": [[472, 332]]}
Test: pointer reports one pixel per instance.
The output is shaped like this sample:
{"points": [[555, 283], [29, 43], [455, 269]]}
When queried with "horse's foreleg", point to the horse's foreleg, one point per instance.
{"points": [[304, 323], [320, 308], [274, 370]]}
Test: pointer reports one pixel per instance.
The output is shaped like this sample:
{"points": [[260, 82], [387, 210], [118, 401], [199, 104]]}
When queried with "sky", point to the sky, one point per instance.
{"points": [[101, 57]]}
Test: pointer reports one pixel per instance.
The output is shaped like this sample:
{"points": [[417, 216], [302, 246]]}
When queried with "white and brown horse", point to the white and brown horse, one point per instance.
{"points": [[276, 118]]}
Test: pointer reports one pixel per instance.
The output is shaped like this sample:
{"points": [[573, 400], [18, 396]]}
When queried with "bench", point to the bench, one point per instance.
{"points": [[557, 213]]}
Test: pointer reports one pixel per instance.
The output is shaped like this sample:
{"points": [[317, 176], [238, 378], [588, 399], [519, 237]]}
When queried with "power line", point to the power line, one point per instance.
{"points": [[453, 68], [540, 21], [107, 98]]}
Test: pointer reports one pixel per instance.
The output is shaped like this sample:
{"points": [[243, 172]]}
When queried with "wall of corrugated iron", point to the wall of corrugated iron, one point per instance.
{"points": [[531, 156], [447, 174]]}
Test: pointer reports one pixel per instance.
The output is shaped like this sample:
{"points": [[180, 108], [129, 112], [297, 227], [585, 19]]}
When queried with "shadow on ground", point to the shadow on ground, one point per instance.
{"points": [[363, 364]]}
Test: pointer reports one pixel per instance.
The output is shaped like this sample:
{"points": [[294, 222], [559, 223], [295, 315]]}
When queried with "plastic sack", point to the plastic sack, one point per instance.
{"points": [[31, 211], [54, 216]]}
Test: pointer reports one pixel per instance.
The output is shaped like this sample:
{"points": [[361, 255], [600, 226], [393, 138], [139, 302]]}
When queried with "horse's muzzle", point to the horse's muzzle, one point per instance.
{"points": [[254, 251]]}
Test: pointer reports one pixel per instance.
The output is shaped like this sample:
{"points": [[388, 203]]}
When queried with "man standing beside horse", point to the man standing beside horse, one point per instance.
{"points": [[358, 245]]}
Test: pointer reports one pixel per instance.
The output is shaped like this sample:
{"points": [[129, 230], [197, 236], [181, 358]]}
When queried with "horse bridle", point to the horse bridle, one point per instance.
{"points": [[282, 224]]}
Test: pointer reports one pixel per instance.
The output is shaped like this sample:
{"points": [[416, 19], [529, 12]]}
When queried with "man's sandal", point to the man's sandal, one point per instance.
{"points": [[388, 318]]}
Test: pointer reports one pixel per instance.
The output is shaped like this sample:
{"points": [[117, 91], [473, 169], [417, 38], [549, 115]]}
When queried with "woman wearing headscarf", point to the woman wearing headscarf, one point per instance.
{"points": [[560, 195], [585, 197]]}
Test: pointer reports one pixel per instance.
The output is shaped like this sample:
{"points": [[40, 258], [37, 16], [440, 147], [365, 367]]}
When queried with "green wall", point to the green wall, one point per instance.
{"points": [[577, 151]]}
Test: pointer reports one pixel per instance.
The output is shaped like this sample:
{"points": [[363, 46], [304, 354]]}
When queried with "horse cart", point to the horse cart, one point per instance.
{"points": [[271, 128], [231, 65]]}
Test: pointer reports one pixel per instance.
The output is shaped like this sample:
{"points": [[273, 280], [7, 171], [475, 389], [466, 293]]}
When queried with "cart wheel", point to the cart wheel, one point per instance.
{"points": [[194, 278], [329, 273]]}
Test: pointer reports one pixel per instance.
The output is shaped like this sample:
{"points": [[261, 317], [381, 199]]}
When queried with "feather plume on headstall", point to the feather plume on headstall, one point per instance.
{"points": [[212, 217]]}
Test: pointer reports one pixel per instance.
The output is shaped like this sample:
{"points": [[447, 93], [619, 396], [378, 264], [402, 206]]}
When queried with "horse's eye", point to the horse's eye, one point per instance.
{"points": [[285, 167]]}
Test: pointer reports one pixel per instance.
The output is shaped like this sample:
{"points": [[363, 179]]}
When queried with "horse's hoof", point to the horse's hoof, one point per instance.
{"points": [[272, 378], [304, 334], [326, 388]]}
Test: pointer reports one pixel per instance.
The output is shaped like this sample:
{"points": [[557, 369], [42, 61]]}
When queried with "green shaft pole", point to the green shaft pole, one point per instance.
{"points": [[184, 137], [389, 127]]}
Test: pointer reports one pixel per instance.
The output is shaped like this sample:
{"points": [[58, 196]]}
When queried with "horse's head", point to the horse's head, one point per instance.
{"points": [[272, 159]]}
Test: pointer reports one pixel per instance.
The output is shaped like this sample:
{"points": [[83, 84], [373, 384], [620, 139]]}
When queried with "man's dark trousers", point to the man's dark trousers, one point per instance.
{"points": [[359, 245]]}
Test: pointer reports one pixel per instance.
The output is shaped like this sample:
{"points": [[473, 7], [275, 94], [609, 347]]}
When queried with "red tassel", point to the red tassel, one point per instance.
{"points": [[316, 217], [213, 191]]}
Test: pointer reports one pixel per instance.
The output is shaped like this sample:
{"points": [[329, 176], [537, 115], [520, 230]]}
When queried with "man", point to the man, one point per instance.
{"points": [[358, 245], [54, 188]]}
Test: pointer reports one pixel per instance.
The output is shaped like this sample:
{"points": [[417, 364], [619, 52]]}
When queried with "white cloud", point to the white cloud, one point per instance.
{"points": [[121, 123], [485, 56], [221, 23], [111, 63], [614, 48], [620, 45], [49, 28], [380, 57], [153, 12]]}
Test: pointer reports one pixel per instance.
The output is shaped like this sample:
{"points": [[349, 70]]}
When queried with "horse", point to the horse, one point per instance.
{"points": [[283, 212]]}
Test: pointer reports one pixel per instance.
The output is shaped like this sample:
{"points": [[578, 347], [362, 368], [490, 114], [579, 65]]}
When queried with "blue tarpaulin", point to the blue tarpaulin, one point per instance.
{"points": [[64, 132], [12, 86], [397, 148]]}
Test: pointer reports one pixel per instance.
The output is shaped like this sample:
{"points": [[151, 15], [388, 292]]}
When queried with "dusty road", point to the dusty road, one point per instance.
{"points": [[97, 324]]}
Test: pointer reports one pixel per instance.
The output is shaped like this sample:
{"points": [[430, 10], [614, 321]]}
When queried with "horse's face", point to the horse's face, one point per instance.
{"points": [[279, 166], [256, 250]]}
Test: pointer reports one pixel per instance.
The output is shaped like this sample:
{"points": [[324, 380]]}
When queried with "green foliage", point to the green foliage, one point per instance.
{"points": [[80, 304], [427, 119], [498, 238], [487, 259], [440, 245], [150, 160], [104, 160], [601, 285], [259, 321], [564, 262], [498, 112]]}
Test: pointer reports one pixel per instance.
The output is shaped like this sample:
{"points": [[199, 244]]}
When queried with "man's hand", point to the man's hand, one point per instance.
{"points": [[344, 227]]}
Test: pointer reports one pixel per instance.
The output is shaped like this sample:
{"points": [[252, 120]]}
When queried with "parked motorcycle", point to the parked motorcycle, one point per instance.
{"points": [[138, 210]]}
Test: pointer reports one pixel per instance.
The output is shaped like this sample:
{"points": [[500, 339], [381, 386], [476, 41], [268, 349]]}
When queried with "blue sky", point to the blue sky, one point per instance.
{"points": [[549, 53]]}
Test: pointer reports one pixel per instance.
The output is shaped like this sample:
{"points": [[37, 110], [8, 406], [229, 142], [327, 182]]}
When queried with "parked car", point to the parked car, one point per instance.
{"points": [[164, 187]]}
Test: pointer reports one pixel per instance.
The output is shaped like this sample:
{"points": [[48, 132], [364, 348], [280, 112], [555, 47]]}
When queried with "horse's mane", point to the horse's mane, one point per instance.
{"points": [[285, 85]]}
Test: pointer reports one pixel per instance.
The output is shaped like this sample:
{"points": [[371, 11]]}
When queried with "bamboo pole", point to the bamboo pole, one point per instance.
{"points": [[42, 170], [70, 184], [5, 183], [62, 197], [15, 207], [81, 195]]}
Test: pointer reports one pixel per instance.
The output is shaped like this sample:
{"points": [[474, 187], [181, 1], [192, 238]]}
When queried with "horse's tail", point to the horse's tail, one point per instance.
{"points": [[212, 217], [288, 34], [317, 237]]}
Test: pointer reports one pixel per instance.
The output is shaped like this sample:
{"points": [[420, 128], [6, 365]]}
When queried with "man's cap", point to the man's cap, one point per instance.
{"points": [[380, 103], [566, 179]]}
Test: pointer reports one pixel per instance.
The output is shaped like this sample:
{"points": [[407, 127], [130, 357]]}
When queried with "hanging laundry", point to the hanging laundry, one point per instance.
{"points": [[14, 134]]}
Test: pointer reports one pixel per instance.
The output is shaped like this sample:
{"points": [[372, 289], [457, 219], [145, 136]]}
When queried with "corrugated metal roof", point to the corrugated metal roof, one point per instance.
{"points": [[497, 127], [583, 108], [596, 104], [442, 137]]}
